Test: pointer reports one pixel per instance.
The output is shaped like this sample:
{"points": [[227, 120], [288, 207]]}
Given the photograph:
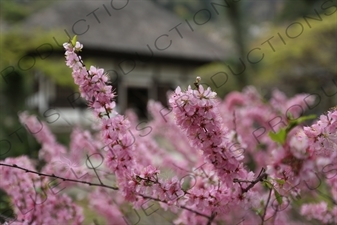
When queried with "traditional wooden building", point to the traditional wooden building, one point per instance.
{"points": [[145, 49]]}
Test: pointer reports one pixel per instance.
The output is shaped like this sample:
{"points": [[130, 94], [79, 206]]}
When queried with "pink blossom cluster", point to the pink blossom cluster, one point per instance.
{"points": [[251, 118], [197, 114], [50, 148], [134, 178], [241, 160], [60, 161], [107, 205], [33, 199], [180, 159], [117, 140], [322, 135], [320, 212], [92, 82]]}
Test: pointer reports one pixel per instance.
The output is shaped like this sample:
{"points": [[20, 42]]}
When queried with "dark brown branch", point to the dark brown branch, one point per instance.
{"points": [[210, 220], [58, 177], [265, 207], [262, 176], [101, 185]]}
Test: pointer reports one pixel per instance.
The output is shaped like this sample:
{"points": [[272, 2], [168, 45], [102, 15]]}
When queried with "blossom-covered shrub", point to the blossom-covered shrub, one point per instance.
{"points": [[241, 160]]}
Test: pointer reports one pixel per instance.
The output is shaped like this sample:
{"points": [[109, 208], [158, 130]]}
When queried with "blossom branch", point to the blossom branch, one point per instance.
{"points": [[262, 176], [58, 177], [101, 185]]}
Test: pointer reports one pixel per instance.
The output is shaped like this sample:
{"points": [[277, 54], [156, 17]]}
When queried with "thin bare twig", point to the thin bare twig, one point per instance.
{"points": [[265, 207], [262, 176], [58, 177], [101, 185], [210, 220]]}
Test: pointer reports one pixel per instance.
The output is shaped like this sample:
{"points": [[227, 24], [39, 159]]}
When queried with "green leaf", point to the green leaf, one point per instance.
{"points": [[294, 122], [267, 184], [279, 137], [304, 118], [259, 211], [74, 40], [278, 197], [39, 190], [280, 181]]}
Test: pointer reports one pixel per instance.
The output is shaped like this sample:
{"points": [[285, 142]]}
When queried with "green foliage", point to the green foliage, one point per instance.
{"points": [[185, 9], [270, 186], [294, 9], [281, 135], [37, 53], [306, 62], [11, 12], [217, 76], [278, 197], [74, 40], [15, 11], [5, 206], [41, 55], [90, 215]]}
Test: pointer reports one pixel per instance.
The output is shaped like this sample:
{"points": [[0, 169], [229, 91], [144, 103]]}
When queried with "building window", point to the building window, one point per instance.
{"points": [[66, 97], [137, 100], [162, 90]]}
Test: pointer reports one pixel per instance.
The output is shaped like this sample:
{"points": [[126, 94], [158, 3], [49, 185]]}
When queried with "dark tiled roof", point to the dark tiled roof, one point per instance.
{"points": [[129, 29]]}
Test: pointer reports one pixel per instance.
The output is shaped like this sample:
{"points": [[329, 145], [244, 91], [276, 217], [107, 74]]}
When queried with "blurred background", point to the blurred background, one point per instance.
{"points": [[149, 47]]}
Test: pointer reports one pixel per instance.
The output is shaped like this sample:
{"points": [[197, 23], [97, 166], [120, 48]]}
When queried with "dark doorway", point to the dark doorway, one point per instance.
{"points": [[137, 100]]}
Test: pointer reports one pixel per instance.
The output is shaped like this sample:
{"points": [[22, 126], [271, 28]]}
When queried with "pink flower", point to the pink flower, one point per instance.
{"points": [[317, 211], [197, 115], [323, 134]]}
